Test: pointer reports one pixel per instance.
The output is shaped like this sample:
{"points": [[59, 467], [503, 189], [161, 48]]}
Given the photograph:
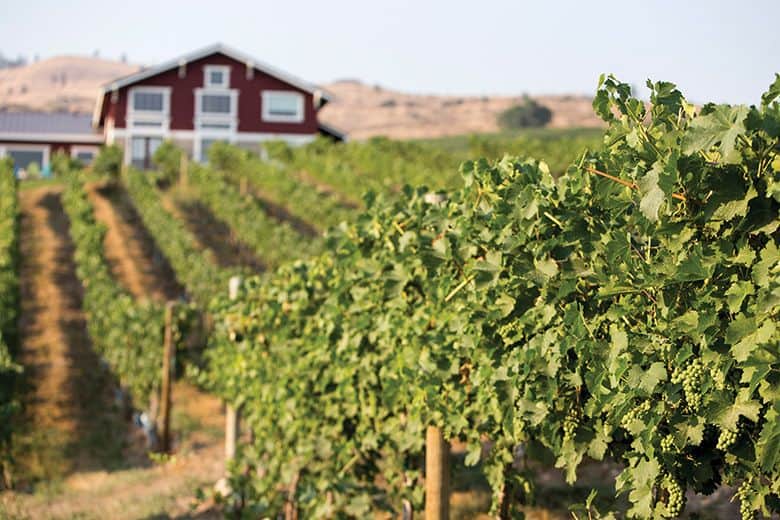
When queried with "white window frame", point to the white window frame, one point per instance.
{"points": [[224, 69], [77, 149], [229, 119], [277, 118], [161, 118], [45, 148]]}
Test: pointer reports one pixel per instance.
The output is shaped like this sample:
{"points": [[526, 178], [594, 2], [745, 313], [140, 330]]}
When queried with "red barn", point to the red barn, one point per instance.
{"points": [[214, 94]]}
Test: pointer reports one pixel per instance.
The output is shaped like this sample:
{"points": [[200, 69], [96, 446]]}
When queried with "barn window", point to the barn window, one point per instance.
{"points": [[282, 106], [216, 76], [215, 104], [148, 101]]}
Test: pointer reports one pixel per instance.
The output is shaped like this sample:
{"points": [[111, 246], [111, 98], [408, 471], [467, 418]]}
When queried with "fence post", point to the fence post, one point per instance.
{"points": [[232, 414], [407, 512], [290, 507], [437, 475], [167, 374], [184, 169]]}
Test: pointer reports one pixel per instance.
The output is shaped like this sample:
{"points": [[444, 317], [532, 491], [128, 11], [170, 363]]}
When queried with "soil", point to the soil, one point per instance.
{"points": [[212, 234], [70, 423], [327, 189], [281, 214], [76, 456], [135, 259]]}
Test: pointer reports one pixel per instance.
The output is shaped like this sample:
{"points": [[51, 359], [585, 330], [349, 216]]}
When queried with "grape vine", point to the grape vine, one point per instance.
{"points": [[522, 297], [9, 305]]}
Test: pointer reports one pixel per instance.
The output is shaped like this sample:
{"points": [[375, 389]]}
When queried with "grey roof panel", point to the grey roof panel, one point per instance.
{"points": [[45, 123]]}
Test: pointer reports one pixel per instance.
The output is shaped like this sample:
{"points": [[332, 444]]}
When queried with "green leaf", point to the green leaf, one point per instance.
{"points": [[737, 294], [547, 268], [768, 445], [652, 194], [727, 416], [654, 375], [720, 127], [473, 454], [772, 93]]}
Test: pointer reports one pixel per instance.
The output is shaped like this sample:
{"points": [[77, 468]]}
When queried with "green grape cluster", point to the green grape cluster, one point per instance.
{"points": [[635, 413], [726, 439], [570, 424], [667, 443], [509, 329], [675, 501], [666, 349], [745, 511], [691, 379]]}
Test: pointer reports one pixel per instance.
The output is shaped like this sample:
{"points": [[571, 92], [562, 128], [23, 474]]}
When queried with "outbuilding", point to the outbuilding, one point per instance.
{"points": [[31, 138]]}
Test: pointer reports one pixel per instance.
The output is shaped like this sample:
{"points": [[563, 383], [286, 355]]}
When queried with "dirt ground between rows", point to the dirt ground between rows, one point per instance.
{"points": [[76, 457]]}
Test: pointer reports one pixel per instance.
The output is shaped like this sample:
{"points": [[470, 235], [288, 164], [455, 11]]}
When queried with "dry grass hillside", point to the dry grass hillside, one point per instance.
{"points": [[70, 83], [365, 110], [62, 83]]}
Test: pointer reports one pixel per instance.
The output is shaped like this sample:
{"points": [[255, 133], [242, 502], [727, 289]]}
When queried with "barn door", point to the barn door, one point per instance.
{"points": [[142, 151]]}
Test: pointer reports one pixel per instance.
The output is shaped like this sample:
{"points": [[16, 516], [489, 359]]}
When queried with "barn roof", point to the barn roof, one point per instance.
{"points": [[217, 48], [47, 126]]}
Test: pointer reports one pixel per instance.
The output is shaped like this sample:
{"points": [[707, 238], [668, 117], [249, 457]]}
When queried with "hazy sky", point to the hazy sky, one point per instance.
{"points": [[725, 51]]}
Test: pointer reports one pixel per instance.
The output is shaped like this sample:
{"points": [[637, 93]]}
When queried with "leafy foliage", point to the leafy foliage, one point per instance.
{"points": [[224, 156], [274, 242], [528, 114], [167, 159], [278, 182], [127, 334], [62, 163], [108, 162], [379, 164], [193, 267], [579, 317], [9, 303]]}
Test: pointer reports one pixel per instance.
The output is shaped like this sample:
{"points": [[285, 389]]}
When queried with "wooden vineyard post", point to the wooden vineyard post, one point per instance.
{"points": [[232, 428], [290, 508], [242, 186], [407, 512], [437, 475], [167, 374], [232, 413], [183, 169]]}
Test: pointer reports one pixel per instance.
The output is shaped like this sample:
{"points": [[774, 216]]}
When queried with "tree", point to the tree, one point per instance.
{"points": [[528, 114]]}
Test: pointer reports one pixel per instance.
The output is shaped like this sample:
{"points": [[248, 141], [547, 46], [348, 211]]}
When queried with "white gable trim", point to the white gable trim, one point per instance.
{"points": [[208, 51]]}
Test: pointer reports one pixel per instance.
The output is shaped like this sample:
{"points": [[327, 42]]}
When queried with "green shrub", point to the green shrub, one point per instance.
{"points": [[278, 150], [167, 158], [62, 163], [34, 171], [223, 156], [528, 114], [108, 162]]}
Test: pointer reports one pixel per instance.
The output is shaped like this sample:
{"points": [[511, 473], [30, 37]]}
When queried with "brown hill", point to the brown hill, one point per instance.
{"points": [[62, 83], [70, 83], [364, 111]]}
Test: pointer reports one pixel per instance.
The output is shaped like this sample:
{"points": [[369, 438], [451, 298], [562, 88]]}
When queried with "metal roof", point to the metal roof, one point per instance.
{"points": [[45, 123]]}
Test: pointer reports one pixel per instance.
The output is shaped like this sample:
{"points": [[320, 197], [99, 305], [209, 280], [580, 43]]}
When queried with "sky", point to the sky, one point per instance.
{"points": [[714, 50]]}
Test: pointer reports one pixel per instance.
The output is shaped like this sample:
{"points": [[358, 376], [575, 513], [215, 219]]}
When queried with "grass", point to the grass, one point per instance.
{"points": [[557, 147], [30, 184]]}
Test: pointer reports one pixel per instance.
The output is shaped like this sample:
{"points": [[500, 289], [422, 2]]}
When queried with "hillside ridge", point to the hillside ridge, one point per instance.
{"points": [[71, 83]]}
